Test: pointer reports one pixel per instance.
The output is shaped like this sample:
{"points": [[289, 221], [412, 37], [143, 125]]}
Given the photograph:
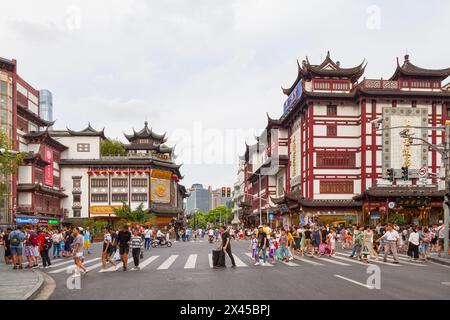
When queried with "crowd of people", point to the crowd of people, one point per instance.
{"points": [[39, 244]]}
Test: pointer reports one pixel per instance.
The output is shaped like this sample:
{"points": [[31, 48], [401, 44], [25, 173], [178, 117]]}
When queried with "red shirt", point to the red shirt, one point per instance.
{"points": [[41, 240]]}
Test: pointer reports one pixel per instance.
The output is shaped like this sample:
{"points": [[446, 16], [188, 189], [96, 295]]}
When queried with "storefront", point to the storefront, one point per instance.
{"points": [[47, 222]]}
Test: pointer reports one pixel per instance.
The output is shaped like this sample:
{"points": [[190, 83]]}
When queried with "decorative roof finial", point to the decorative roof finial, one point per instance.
{"points": [[406, 57], [146, 123]]}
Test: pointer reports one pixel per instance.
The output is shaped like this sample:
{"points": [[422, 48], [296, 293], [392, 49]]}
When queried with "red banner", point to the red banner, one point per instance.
{"points": [[48, 172]]}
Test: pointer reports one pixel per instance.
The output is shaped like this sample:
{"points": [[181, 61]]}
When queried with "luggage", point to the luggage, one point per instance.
{"points": [[218, 257]]}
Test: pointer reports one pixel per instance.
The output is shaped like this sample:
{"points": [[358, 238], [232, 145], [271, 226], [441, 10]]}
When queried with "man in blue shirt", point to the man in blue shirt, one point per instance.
{"points": [[16, 239]]}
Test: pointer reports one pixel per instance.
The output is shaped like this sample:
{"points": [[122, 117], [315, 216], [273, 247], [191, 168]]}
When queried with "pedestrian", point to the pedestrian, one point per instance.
{"points": [[135, 244], [332, 242], [261, 246], [413, 245], [356, 246], [253, 245], [7, 246], [424, 243], [272, 251], [68, 240], [107, 251], [392, 241], [45, 243], [148, 238], [368, 242], [57, 238], [226, 244], [440, 238], [77, 251], [16, 243], [316, 238], [87, 240], [31, 241], [123, 241], [283, 246], [308, 233]]}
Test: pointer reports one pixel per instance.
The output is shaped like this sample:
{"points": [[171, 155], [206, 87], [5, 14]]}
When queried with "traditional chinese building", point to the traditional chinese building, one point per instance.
{"points": [[325, 160], [97, 184]]}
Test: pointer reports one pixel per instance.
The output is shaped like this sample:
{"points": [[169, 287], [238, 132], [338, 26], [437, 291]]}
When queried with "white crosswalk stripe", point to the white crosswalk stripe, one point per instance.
{"points": [[307, 260], [190, 263], [210, 260], [291, 264], [145, 263], [239, 262], [373, 261], [73, 266], [330, 260], [120, 264], [166, 264], [54, 265], [351, 260]]}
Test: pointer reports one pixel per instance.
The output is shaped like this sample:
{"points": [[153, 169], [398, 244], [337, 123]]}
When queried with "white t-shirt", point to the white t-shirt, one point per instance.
{"points": [[392, 235], [211, 232], [107, 237], [159, 234], [148, 233], [441, 232], [57, 237], [414, 238], [331, 237]]}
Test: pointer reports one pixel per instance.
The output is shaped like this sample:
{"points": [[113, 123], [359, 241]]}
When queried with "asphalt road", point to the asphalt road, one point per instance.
{"points": [[184, 272]]}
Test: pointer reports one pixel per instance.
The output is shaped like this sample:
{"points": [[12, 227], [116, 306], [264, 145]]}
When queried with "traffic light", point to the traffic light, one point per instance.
{"points": [[223, 192], [405, 173], [228, 192]]}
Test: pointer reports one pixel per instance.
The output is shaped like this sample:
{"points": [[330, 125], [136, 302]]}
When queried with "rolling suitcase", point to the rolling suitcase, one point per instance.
{"points": [[218, 257]]}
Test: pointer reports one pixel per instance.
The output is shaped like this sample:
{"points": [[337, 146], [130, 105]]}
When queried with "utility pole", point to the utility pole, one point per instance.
{"points": [[446, 163], [259, 195]]}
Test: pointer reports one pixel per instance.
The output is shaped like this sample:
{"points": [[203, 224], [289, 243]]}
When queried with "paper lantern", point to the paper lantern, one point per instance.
{"points": [[118, 172], [96, 172], [139, 171], [103, 171], [125, 172], [132, 171], [89, 172], [147, 171], [111, 171]]}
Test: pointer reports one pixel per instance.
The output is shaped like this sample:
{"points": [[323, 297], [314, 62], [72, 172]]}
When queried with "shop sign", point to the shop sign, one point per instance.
{"points": [[391, 205], [271, 216], [103, 209], [413, 202], [295, 95], [27, 221], [375, 216]]}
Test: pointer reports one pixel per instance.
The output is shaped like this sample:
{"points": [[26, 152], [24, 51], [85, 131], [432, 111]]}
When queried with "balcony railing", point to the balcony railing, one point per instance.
{"points": [[379, 84]]}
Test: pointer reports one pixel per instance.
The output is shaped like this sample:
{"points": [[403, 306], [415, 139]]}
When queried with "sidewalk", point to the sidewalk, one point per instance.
{"points": [[19, 284], [444, 261]]}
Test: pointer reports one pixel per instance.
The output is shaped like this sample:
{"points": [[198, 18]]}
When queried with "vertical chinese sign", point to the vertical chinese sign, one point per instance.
{"points": [[48, 172]]}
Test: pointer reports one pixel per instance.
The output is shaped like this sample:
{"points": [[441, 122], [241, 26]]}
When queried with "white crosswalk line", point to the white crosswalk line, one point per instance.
{"points": [[145, 263], [210, 260], [330, 260], [267, 264], [190, 263], [373, 261], [166, 264], [290, 264], [120, 264], [73, 266], [308, 261], [71, 261], [239, 262], [352, 261]]}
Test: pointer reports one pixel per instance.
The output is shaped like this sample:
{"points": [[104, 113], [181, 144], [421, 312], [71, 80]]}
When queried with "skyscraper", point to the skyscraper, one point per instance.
{"points": [[46, 105], [199, 199]]}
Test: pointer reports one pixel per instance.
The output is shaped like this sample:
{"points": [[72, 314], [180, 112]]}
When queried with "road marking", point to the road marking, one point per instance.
{"points": [[147, 262], [166, 264], [267, 264], [190, 263], [70, 261], [210, 260], [352, 261], [308, 261], [335, 262], [355, 282], [110, 269], [371, 261], [238, 261], [72, 266], [290, 264]]}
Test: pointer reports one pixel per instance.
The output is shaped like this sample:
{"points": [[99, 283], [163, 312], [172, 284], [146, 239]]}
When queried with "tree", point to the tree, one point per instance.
{"points": [[112, 148], [396, 218], [9, 162], [139, 215]]}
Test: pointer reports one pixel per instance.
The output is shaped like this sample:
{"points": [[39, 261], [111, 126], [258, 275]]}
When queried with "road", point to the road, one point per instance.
{"points": [[184, 272]]}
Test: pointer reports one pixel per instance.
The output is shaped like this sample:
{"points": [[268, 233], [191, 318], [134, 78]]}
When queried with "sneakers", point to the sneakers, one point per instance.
{"points": [[257, 263], [15, 267], [263, 264], [20, 267]]}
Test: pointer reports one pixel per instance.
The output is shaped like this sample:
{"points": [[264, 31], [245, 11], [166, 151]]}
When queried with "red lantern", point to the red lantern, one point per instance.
{"points": [[132, 171], [103, 171], [147, 171], [111, 171], [118, 172], [139, 171], [89, 172], [125, 172], [96, 172]]}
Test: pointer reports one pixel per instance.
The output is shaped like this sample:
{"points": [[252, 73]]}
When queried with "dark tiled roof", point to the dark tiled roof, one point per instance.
{"points": [[398, 191], [330, 203], [31, 157], [29, 187], [410, 70], [88, 131], [42, 136], [26, 113], [145, 133]]}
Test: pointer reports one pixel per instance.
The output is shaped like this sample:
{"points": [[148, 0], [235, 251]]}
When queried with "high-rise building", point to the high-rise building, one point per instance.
{"points": [[217, 198], [46, 105], [199, 199]]}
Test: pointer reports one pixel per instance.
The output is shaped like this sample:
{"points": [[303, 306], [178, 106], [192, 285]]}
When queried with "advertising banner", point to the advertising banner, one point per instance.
{"points": [[48, 171], [295, 96], [160, 190]]}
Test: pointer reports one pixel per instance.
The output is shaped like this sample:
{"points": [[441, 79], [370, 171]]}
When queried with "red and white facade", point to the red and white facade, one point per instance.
{"points": [[331, 161]]}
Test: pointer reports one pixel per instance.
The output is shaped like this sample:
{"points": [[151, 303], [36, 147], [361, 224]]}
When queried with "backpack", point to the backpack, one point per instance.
{"points": [[33, 239], [15, 240], [47, 243]]}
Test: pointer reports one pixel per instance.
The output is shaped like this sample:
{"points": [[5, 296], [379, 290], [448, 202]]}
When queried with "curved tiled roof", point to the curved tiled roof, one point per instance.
{"points": [[146, 133], [410, 70], [88, 131]]}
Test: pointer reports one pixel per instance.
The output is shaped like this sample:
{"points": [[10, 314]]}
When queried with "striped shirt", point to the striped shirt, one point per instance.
{"points": [[136, 242]]}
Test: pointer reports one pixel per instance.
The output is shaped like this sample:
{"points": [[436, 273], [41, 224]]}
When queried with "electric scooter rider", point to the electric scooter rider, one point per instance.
{"points": [[160, 236]]}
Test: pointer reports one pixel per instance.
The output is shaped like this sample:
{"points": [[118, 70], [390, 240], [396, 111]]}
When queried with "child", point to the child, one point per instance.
{"points": [[136, 243], [272, 247], [253, 245]]}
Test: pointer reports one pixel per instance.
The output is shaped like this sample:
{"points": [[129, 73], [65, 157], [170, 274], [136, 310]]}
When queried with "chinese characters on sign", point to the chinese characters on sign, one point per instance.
{"points": [[48, 171]]}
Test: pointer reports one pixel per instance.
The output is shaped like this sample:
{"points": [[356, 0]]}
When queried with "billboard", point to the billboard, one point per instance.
{"points": [[295, 96], [48, 171]]}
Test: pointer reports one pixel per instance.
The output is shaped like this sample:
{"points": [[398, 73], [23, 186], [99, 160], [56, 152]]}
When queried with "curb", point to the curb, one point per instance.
{"points": [[443, 261], [37, 288]]}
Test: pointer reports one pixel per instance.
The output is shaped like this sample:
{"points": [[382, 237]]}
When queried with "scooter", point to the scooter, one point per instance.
{"points": [[163, 243]]}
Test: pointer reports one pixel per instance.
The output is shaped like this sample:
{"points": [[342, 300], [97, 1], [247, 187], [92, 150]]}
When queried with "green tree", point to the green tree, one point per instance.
{"points": [[112, 148], [396, 218], [220, 215], [139, 215], [9, 162]]}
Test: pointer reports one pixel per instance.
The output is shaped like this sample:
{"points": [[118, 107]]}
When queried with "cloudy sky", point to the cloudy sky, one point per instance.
{"points": [[205, 71]]}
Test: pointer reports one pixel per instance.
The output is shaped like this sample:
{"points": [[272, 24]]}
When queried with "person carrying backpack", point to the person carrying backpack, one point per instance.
{"points": [[45, 243], [16, 239], [31, 241]]}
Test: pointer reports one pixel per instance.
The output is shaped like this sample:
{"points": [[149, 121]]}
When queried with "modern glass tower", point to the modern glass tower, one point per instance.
{"points": [[199, 199], [46, 105]]}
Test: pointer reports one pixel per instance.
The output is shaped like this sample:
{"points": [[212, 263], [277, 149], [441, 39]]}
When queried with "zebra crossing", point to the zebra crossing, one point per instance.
{"points": [[243, 260]]}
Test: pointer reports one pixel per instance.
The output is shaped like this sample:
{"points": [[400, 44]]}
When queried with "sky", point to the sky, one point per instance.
{"points": [[204, 71]]}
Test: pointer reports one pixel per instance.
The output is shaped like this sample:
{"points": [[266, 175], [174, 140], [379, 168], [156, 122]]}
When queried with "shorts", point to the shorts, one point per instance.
{"points": [[16, 251], [124, 249], [30, 251], [87, 243], [67, 246], [108, 251]]}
